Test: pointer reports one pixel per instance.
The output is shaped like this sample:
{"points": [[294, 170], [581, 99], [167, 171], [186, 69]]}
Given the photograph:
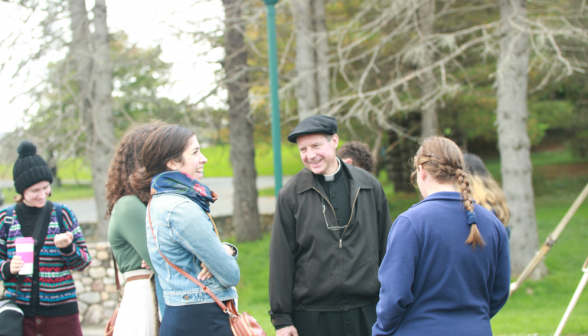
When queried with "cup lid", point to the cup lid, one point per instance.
{"points": [[24, 240]]}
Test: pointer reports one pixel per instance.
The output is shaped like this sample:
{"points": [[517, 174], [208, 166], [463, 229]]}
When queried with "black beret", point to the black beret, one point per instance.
{"points": [[313, 125]]}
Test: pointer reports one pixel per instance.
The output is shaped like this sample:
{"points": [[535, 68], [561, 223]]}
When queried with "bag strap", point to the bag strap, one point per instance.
{"points": [[222, 306], [215, 230], [37, 232], [19, 282], [116, 277], [9, 219], [59, 213]]}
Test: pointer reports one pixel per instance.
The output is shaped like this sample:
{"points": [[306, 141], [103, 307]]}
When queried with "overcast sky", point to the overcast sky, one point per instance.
{"points": [[147, 22]]}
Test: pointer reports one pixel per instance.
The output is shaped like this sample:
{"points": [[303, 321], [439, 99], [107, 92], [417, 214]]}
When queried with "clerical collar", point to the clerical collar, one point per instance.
{"points": [[331, 177]]}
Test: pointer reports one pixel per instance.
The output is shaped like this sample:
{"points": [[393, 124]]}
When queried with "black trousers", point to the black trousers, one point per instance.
{"points": [[205, 319], [354, 322]]}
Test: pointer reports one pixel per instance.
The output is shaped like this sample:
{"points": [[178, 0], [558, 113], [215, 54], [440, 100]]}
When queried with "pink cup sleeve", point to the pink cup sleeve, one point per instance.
{"points": [[27, 257]]}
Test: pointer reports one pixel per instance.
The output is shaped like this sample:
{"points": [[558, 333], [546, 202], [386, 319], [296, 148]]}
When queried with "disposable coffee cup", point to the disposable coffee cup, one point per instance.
{"points": [[25, 248]]}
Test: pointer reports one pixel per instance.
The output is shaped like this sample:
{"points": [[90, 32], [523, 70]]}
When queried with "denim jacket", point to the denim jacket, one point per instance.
{"points": [[186, 236]]}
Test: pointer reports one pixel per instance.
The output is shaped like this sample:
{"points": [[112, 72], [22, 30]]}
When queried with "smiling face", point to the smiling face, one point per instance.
{"points": [[317, 152], [36, 195], [193, 160]]}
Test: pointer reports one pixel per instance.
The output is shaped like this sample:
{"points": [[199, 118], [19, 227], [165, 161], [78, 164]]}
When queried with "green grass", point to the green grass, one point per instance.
{"points": [[271, 191], [219, 163], [253, 287], [539, 159], [63, 193], [538, 306]]}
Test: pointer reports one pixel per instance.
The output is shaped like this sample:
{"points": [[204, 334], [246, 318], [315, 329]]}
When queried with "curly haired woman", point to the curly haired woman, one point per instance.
{"points": [[447, 269], [128, 238]]}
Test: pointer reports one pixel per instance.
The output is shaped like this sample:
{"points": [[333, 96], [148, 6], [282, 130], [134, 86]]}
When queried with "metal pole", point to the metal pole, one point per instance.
{"points": [[275, 102], [575, 299], [551, 239]]}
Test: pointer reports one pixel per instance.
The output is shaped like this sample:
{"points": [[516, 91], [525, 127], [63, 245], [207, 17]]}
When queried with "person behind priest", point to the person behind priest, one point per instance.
{"points": [[328, 240], [358, 154]]}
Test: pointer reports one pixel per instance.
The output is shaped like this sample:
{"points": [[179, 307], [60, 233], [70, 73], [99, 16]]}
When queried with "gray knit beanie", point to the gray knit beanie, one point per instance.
{"points": [[29, 168]]}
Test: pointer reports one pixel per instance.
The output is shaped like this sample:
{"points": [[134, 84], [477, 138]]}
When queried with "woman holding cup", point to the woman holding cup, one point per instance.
{"points": [[41, 282]]}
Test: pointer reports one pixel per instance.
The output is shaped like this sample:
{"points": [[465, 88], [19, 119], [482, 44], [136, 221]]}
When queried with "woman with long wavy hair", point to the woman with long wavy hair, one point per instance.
{"points": [[127, 236]]}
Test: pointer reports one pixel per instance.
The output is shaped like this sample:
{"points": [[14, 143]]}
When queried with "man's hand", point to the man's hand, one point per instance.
{"points": [[145, 265], [288, 331], [63, 240], [16, 264]]}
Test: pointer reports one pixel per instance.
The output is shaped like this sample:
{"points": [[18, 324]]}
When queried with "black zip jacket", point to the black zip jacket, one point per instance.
{"points": [[311, 267]]}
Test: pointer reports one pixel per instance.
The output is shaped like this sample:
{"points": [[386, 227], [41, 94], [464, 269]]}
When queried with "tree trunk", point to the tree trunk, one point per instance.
{"points": [[306, 90], [322, 54], [312, 52], [102, 116], [513, 140], [245, 211], [430, 122], [81, 50]]}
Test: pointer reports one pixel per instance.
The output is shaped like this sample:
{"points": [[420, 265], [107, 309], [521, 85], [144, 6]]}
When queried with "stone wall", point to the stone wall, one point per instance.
{"points": [[96, 286]]}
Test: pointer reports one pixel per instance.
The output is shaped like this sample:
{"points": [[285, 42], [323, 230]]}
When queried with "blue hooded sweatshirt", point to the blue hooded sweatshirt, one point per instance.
{"points": [[433, 283]]}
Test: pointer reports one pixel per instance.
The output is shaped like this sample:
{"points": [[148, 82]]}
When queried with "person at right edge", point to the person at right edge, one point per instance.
{"points": [[447, 267], [328, 240]]}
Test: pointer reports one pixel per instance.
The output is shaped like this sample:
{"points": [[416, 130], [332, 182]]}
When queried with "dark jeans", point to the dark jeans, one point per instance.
{"points": [[205, 319]]}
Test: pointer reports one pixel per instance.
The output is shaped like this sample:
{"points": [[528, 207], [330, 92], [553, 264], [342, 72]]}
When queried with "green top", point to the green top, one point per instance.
{"points": [[127, 234]]}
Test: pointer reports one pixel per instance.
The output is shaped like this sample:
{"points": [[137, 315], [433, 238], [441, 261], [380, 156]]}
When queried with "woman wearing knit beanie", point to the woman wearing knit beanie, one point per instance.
{"points": [[48, 296]]}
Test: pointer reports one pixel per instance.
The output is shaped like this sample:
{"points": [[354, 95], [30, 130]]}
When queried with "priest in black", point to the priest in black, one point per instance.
{"points": [[329, 237]]}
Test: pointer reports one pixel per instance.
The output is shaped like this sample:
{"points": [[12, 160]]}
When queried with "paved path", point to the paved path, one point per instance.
{"points": [[85, 209]]}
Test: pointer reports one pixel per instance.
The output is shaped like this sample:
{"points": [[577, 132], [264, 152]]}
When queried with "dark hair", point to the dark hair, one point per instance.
{"points": [[443, 159], [359, 152], [484, 189], [474, 165], [125, 162], [165, 144]]}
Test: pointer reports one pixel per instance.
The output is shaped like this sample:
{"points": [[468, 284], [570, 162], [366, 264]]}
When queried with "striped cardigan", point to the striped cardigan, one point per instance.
{"points": [[56, 285]]}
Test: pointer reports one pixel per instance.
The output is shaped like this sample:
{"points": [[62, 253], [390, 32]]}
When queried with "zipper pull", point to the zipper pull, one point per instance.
{"points": [[341, 243]]}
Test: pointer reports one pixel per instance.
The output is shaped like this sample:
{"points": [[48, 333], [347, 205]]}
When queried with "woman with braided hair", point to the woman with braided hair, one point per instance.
{"points": [[447, 268]]}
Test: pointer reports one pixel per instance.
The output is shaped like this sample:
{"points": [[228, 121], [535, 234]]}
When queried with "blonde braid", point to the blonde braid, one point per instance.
{"points": [[475, 237]]}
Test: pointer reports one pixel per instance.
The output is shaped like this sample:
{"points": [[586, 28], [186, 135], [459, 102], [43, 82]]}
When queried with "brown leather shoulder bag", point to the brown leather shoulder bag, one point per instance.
{"points": [[241, 324]]}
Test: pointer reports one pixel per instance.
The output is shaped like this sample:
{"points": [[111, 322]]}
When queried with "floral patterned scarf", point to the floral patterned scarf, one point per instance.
{"points": [[175, 182]]}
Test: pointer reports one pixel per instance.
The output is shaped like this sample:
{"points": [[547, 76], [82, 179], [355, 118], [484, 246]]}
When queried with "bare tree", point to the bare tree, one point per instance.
{"points": [[245, 210], [513, 140], [312, 65], [429, 119], [102, 131]]}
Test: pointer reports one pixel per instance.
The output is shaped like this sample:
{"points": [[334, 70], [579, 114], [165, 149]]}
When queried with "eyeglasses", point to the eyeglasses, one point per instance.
{"points": [[332, 228]]}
